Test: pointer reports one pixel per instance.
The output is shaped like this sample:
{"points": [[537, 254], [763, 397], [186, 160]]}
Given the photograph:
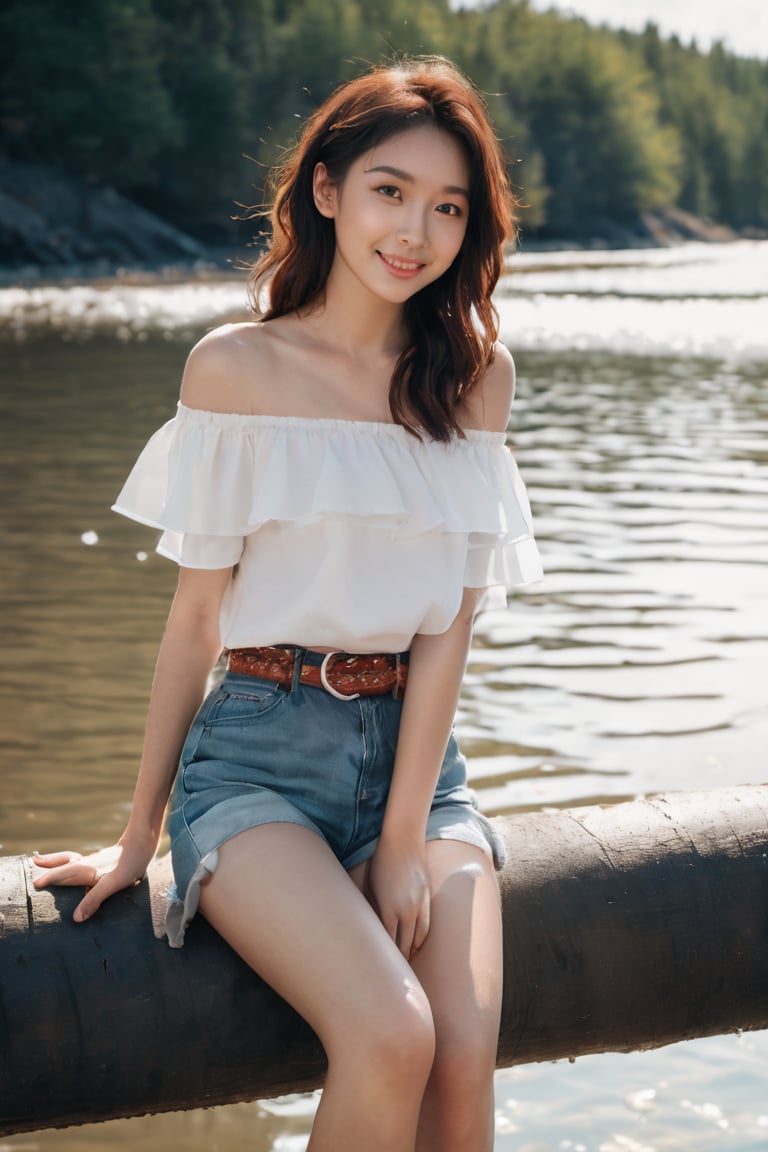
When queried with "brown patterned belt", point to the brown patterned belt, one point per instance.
{"points": [[343, 675]]}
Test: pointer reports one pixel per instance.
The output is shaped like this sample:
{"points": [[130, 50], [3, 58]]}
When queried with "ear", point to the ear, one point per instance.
{"points": [[324, 192]]}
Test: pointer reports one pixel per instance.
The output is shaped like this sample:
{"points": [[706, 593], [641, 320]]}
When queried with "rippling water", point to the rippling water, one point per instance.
{"points": [[700, 299], [637, 665]]}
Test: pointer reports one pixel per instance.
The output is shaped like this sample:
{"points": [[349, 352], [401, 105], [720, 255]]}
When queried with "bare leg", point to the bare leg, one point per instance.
{"points": [[283, 902], [460, 968]]}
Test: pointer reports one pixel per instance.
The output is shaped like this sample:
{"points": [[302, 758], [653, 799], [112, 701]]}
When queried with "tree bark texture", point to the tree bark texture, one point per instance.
{"points": [[628, 926]]}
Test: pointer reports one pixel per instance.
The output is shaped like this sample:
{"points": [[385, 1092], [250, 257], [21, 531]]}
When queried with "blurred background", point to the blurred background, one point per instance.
{"points": [[177, 107], [135, 134]]}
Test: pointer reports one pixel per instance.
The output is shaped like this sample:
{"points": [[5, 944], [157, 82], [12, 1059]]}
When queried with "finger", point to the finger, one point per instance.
{"points": [[84, 911], [422, 924], [53, 877], [75, 874], [93, 899], [390, 923], [67, 874], [99, 889], [405, 937], [54, 859]]}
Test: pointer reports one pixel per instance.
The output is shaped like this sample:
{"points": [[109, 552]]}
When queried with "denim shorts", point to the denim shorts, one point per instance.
{"points": [[258, 753]]}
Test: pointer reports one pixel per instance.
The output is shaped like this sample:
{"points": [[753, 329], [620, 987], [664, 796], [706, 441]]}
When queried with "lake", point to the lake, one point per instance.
{"points": [[638, 665]]}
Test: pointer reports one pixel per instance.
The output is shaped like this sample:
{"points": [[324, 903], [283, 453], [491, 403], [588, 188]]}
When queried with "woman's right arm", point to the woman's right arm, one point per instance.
{"points": [[213, 380], [189, 649]]}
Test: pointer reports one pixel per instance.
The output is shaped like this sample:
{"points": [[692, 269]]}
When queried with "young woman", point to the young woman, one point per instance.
{"points": [[337, 492]]}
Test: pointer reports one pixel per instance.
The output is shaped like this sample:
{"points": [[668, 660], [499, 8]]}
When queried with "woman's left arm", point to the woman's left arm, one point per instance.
{"points": [[398, 881]]}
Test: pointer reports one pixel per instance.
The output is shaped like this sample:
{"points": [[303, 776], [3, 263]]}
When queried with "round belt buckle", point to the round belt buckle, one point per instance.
{"points": [[324, 679]]}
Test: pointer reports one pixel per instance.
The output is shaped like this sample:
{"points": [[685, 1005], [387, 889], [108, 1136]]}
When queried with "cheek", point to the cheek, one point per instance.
{"points": [[452, 242], [362, 216]]}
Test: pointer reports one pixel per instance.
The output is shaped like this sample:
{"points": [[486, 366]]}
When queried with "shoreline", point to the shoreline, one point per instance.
{"points": [[124, 244], [212, 265], [234, 266]]}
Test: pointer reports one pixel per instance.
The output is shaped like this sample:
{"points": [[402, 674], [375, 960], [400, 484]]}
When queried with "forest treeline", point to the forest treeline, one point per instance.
{"points": [[182, 104]]}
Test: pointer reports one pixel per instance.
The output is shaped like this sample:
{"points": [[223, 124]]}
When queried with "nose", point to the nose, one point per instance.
{"points": [[412, 230]]}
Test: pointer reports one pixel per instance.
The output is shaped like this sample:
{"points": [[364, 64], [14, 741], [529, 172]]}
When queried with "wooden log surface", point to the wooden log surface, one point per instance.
{"points": [[627, 926]]}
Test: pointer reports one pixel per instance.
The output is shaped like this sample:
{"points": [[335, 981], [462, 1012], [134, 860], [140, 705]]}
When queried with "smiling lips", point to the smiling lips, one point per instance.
{"points": [[401, 268]]}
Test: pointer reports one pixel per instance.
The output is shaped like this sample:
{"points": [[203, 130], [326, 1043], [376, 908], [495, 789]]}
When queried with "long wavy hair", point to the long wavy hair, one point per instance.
{"points": [[452, 324]]}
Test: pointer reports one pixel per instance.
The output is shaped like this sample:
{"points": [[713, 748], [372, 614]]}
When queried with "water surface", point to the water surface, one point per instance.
{"points": [[638, 665]]}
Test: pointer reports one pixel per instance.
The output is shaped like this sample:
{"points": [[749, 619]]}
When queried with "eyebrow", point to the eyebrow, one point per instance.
{"points": [[454, 189]]}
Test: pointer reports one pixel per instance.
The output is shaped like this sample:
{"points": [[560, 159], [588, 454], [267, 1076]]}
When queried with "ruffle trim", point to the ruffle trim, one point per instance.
{"points": [[220, 474]]}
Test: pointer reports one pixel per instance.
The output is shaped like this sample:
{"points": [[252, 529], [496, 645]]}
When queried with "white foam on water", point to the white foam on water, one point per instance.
{"points": [[732, 330], [695, 300]]}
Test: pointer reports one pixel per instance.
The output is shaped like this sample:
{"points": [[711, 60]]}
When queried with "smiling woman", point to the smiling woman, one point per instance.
{"points": [[453, 168], [407, 229], [336, 489]]}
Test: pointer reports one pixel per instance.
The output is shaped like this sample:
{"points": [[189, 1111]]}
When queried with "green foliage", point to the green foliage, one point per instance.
{"points": [[184, 103], [81, 87], [718, 104], [593, 115]]}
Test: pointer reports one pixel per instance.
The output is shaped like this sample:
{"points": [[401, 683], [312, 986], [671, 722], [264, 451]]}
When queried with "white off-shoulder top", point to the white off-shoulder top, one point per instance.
{"points": [[344, 534]]}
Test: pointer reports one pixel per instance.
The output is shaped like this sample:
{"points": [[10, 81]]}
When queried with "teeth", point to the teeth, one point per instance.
{"points": [[403, 265]]}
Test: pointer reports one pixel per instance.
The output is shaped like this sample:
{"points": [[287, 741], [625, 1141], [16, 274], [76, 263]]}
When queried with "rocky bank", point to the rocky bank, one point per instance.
{"points": [[56, 227]]}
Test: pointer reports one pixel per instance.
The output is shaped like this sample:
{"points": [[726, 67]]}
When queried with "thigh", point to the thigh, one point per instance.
{"points": [[283, 902], [461, 964]]}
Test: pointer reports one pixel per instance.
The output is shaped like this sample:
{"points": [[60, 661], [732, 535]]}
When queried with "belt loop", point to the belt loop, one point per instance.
{"points": [[298, 660]]}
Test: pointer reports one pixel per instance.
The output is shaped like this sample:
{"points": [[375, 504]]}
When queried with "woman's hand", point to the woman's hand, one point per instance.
{"points": [[398, 888], [102, 873]]}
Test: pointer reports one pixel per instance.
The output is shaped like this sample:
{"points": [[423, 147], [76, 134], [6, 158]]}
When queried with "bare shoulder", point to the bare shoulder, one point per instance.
{"points": [[225, 370], [490, 401]]}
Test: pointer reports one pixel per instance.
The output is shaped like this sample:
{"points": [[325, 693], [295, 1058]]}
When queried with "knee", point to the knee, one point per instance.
{"points": [[396, 1040], [401, 1040]]}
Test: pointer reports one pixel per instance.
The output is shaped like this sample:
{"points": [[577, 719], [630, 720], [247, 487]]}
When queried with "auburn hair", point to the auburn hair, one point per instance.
{"points": [[452, 324]]}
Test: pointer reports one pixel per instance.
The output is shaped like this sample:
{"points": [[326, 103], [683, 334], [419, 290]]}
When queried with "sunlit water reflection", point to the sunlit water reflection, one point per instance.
{"points": [[696, 300], [637, 665]]}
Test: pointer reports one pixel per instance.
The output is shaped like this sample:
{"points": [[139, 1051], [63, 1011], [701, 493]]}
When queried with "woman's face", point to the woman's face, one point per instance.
{"points": [[400, 213]]}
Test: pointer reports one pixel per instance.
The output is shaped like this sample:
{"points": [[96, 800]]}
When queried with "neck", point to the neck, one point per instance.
{"points": [[356, 322]]}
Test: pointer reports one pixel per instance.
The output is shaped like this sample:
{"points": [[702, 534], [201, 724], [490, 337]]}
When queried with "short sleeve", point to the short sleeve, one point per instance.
{"points": [[503, 554], [185, 483], [194, 550]]}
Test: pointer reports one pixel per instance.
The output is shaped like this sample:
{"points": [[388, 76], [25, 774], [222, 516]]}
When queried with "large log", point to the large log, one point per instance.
{"points": [[627, 926]]}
